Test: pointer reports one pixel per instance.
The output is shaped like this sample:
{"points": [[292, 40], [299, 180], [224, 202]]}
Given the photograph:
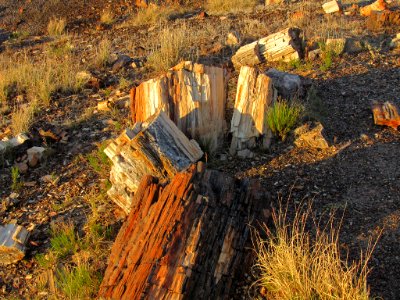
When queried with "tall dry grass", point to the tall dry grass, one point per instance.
{"points": [[230, 6], [56, 27], [297, 263]]}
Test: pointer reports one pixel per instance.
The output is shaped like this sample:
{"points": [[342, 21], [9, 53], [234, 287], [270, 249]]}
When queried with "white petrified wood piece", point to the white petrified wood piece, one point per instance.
{"points": [[13, 240]]}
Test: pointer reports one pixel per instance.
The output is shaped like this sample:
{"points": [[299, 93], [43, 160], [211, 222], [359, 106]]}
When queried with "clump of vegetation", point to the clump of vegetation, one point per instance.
{"points": [[15, 183], [103, 53], [107, 17], [22, 118], [296, 264], [64, 240], [154, 14], [225, 6], [283, 116], [98, 160], [56, 27], [174, 47]]}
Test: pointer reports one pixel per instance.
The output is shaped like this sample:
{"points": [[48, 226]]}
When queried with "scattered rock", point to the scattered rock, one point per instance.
{"points": [[310, 135], [314, 54], [137, 63], [288, 85], [35, 154], [246, 153], [395, 43], [354, 46], [122, 61], [202, 15], [331, 7]]}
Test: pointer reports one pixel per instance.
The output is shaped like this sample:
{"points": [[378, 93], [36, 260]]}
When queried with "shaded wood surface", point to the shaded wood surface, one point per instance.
{"points": [[383, 19], [192, 95], [184, 240], [13, 240], [155, 147]]}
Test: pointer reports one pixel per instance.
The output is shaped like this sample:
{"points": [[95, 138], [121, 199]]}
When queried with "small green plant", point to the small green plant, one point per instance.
{"points": [[78, 282], [283, 116], [64, 240], [56, 27], [98, 160], [15, 176], [327, 55]]}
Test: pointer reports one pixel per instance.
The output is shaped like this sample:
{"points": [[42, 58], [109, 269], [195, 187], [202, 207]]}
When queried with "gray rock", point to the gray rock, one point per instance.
{"points": [[122, 61], [288, 85]]}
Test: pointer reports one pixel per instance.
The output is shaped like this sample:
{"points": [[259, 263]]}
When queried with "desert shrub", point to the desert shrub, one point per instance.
{"points": [[56, 27], [174, 46], [226, 6], [294, 263], [22, 118], [283, 116]]}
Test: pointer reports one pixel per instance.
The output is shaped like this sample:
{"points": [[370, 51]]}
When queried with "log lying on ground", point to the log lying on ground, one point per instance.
{"points": [[255, 94], [383, 19], [192, 95], [155, 147], [285, 45], [184, 240], [13, 240], [386, 114]]}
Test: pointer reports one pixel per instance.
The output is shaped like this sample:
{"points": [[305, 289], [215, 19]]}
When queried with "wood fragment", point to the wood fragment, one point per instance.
{"points": [[386, 114], [331, 7], [379, 5], [155, 147], [13, 239], [184, 240]]}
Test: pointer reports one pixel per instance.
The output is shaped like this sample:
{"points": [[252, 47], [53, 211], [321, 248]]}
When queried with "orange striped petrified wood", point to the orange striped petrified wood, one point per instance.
{"points": [[184, 240], [386, 114], [192, 95]]}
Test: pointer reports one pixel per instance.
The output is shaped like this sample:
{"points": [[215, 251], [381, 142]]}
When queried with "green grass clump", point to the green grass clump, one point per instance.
{"points": [[64, 240], [283, 116], [15, 179]]}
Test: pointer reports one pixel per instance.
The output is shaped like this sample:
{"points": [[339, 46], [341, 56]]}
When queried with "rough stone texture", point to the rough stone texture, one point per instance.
{"points": [[386, 114], [288, 85], [12, 243], [310, 135], [184, 240]]}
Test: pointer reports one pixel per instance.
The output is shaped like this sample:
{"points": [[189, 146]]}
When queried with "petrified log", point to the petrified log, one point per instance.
{"points": [[192, 95], [379, 5], [12, 243], [255, 94], [155, 147], [184, 240], [386, 114], [285, 45], [383, 19]]}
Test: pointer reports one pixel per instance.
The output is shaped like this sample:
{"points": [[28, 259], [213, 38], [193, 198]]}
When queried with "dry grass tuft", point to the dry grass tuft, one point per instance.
{"points": [[56, 27], [154, 14], [230, 6], [174, 46], [297, 264], [107, 17], [102, 53]]}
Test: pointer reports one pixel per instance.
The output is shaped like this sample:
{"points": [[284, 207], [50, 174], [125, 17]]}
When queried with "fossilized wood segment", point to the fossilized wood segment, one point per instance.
{"points": [[386, 114], [155, 147], [255, 94], [184, 240], [285, 45], [331, 7], [379, 5], [192, 95], [12, 243], [381, 19]]}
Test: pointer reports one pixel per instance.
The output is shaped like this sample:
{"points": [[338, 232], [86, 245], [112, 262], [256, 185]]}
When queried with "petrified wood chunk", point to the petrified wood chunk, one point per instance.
{"points": [[12, 243], [155, 147], [192, 95], [184, 240], [386, 114]]}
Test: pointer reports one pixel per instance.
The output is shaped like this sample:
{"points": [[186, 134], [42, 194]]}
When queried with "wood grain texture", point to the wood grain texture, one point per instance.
{"points": [[255, 94], [192, 95], [386, 114], [13, 240], [285, 45], [155, 147], [184, 240]]}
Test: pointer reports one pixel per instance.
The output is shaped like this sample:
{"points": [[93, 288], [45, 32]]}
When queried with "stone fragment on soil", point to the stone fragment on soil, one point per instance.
{"points": [[386, 114], [13, 240], [383, 19], [331, 7], [22, 167], [35, 154], [395, 43], [14, 142], [310, 135], [379, 5], [121, 62], [233, 38], [288, 85]]}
